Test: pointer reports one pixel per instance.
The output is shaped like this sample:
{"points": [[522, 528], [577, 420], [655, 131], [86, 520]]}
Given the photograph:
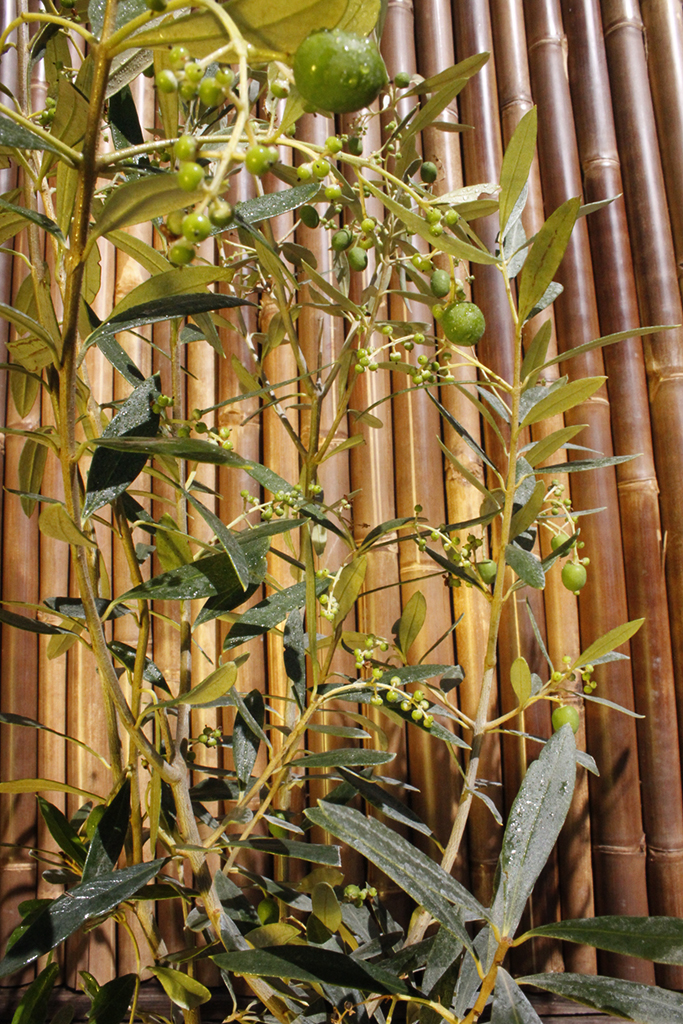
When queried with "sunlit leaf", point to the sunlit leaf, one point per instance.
{"points": [[615, 638], [516, 165], [546, 255], [186, 992]]}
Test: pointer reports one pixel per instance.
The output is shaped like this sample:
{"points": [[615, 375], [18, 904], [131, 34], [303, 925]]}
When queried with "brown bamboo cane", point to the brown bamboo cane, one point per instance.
{"points": [[483, 158], [655, 268], [638, 491], [615, 799], [419, 481], [561, 614], [664, 50]]}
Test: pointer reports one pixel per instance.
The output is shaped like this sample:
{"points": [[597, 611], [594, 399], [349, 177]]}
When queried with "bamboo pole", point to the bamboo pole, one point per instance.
{"points": [[664, 51], [618, 854], [638, 491], [561, 613], [419, 481], [659, 298], [483, 153], [18, 754], [372, 481]]}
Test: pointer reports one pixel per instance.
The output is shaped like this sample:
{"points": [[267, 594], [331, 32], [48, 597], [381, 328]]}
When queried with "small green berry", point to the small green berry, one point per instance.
{"points": [[358, 258], [402, 80], [181, 253], [166, 81], [428, 172], [190, 176], [178, 57]]}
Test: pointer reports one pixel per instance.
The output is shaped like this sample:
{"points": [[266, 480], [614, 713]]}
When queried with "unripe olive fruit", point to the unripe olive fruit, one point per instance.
{"points": [[355, 145], [341, 240], [174, 222], [558, 540], [260, 159], [574, 576], [402, 80], [220, 213], [463, 323], [166, 81], [428, 172], [566, 714], [178, 57], [339, 71], [358, 258], [487, 570], [181, 253], [190, 175], [210, 92], [185, 148], [440, 283], [196, 227], [309, 216]]}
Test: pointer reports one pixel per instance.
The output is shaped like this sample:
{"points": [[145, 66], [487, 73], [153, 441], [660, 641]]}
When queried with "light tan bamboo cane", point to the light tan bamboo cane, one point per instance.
{"points": [[638, 491], [436, 52], [320, 338], [562, 625], [483, 157], [18, 754], [659, 300], [615, 800], [372, 479], [419, 481]]}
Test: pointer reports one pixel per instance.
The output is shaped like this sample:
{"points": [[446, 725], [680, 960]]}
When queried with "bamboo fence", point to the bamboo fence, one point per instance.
{"points": [[607, 78]]}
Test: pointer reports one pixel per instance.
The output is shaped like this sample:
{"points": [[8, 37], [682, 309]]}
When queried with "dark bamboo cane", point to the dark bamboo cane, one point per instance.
{"points": [[664, 50], [615, 799], [419, 480], [638, 491], [561, 614], [658, 295]]}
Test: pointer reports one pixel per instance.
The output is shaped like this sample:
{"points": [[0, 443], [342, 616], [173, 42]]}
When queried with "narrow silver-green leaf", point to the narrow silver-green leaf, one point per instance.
{"points": [[411, 621], [562, 398], [546, 255], [526, 565], [547, 446], [73, 909], [615, 638], [510, 1005], [536, 818], [608, 339], [418, 875], [652, 938], [645, 1004], [517, 162]]}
